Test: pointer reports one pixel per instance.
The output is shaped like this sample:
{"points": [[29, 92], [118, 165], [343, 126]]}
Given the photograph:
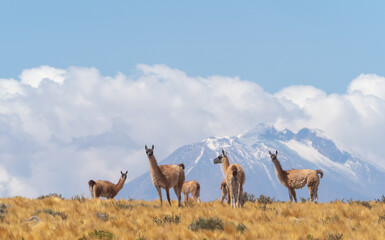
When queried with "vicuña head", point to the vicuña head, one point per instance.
{"points": [[106, 188], [221, 157], [149, 152], [297, 178]]}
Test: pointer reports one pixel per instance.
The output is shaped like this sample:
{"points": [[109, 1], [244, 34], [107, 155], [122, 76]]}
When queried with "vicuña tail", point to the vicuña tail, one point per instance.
{"points": [[320, 172], [234, 170], [91, 183]]}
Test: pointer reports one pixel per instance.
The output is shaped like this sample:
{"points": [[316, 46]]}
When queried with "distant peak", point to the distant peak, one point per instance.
{"points": [[267, 131]]}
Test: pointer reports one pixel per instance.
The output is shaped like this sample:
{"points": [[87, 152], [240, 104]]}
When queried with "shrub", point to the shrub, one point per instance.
{"points": [[363, 203], [265, 199], [101, 234], [327, 220], [382, 200], [381, 218], [246, 197], [3, 211], [241, 227], [209, 224], [129, 206], [51, 195], [303, 200], [102, 216], [334, 236], [167, 219], [81, 199], [53, 213]]}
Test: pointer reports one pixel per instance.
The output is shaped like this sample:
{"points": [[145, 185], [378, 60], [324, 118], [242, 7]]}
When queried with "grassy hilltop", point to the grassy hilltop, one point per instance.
{"points": [[79, 218]]}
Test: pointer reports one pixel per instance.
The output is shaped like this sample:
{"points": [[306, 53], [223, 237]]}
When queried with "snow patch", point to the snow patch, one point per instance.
{"points": [[200, 156], [306, 151]]}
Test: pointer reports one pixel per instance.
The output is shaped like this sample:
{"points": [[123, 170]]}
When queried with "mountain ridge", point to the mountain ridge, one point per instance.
{"points": [[345, 175]]}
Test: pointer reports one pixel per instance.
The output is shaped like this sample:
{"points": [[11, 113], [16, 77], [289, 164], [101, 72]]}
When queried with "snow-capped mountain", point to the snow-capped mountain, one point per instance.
{"points": [[345, 176]]}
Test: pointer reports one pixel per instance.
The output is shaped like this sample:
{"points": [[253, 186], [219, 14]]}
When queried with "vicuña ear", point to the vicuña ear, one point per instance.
{"points": [[224, 152], [126, 172], [276, 152], [152, 146], [145, 147], [270, 152], [121, 172]]}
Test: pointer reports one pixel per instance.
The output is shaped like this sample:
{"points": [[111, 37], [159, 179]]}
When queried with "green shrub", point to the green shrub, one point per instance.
{"points": [[363, 203], [265, 199], [334, 236], [241, 227], [51, 195], [208, 224], [100, 234], [52, 212], [167, 219]]}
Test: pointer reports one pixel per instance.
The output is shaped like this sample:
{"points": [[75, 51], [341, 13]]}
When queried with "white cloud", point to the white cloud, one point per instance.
{"points": [[60, 128], [34, 76], [368, 85]]}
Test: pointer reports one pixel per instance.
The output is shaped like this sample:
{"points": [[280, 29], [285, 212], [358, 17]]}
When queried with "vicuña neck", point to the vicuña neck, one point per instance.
{"points": [[120, 184], [154, 165], [278, 167], [225, 164]]}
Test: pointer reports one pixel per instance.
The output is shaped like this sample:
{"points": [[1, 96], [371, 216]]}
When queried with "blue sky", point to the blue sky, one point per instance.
{"points": [[325, 44]]}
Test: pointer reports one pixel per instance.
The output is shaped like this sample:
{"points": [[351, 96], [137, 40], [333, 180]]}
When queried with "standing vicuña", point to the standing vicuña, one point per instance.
{"points": [[192, 187], [225, 192], [297, 178], [106, 188], [165, 176], [235, 178]]}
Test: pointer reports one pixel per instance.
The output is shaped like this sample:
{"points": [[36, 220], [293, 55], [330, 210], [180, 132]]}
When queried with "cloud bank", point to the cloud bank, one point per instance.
{"points": [[61, 127]]}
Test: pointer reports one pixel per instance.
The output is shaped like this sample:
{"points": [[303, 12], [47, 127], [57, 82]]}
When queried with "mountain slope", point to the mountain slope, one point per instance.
{"points": [[345, 176]]}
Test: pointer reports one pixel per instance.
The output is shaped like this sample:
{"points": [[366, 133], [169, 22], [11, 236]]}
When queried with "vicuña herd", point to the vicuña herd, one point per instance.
{"points": [[172, 176]]}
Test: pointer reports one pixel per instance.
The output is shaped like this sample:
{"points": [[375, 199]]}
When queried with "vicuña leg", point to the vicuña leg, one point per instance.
{"points": [[232, 195], [239, 194], [160, 194], [241, 199], [198, 197], [168, 195], [311, 192], [294, 195], [178, 193], [185, 198], [290, 195]]}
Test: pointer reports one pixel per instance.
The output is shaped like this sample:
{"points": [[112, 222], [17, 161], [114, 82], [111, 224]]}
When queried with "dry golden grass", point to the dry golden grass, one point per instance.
{"points": [[110, 219]]}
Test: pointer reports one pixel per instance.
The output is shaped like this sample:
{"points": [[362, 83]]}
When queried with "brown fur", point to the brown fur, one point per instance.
{"points": [[192, 187], [165, 176], [106, 188], [225, 192], [235, 178], [297, 178]]}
